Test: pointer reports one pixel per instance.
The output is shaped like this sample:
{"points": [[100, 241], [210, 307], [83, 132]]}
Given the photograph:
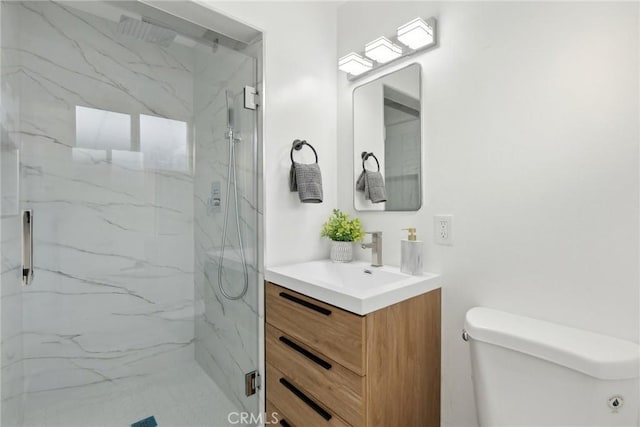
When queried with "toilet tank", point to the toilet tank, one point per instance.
{"points": [[528, 372]]}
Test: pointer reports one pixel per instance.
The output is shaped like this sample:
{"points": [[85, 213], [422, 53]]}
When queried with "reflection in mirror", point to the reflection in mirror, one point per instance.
{"points": [[386, 122]]}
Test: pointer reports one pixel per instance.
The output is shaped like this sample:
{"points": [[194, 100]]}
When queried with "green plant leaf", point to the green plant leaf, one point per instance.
{"points": [[340, 227]]}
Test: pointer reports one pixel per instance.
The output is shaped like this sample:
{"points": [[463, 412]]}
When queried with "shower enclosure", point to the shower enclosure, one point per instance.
{"points": [[115, 152]]}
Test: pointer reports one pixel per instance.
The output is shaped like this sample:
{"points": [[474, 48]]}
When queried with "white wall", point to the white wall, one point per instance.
{"points": [[530, 126], [300, 102]]}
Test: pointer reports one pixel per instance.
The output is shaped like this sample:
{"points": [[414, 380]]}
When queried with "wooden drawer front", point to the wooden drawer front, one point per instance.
{"points": [[333, 332], [325, 380], [276, 417], [298, 405]]}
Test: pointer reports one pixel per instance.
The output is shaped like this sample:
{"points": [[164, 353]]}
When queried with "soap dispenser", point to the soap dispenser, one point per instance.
{"points": [[411, 254]]}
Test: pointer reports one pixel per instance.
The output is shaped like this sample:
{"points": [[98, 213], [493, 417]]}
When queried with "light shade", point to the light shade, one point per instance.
{"points": [[354, 64], [415, 34], [382, 50]]}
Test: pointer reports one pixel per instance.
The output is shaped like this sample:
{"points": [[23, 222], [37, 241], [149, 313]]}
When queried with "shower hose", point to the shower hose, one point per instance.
{"points": [[231, 172]]}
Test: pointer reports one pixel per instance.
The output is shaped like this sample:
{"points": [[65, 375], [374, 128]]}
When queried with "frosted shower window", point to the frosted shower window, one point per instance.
{"points": [[163, 143], [102, 130]]}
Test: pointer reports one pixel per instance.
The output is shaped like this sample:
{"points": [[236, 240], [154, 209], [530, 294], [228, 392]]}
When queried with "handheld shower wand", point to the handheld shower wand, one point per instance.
{"points": [[231, 172]]}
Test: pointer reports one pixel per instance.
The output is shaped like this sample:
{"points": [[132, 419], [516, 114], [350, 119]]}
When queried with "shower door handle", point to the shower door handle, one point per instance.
{"points": [[27, 247]]}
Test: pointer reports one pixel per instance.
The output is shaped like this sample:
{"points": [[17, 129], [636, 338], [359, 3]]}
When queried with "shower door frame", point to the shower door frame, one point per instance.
{"points": [[196, 12]]}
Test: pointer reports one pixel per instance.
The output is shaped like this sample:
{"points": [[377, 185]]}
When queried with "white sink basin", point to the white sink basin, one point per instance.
{"points": [[357, 287]]}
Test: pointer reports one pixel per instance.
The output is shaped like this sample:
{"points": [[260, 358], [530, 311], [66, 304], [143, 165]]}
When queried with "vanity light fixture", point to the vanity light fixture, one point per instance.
{"points": [[417, 35], [382, 50], [354, 64]]}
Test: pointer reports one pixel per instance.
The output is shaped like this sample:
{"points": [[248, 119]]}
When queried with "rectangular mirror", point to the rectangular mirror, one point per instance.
{"points": [[387, 138]]}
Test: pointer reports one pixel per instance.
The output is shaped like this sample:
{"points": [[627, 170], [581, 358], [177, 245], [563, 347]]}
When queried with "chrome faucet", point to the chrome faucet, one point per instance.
{"points": [[376, 248]]}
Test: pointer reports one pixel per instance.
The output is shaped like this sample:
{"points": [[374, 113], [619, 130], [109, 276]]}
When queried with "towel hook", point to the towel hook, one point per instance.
{"points": [[365, 156], [297, 145]]}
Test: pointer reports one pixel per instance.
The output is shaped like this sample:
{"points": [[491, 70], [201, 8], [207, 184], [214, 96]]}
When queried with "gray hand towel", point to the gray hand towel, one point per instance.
{"points": [[372, 184], [360, 182], [307, 181]]}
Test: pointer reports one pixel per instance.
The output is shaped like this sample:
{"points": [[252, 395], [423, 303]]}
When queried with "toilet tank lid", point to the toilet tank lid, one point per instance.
{"points": [[597, 355]]}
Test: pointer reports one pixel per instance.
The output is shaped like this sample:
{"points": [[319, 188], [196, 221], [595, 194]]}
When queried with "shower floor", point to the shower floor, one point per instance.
{"points": [[184, 396]]}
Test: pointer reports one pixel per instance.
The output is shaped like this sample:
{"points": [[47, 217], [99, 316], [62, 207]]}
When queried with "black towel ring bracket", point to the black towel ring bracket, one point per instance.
{"points": [[365, 156], [298, 144]]}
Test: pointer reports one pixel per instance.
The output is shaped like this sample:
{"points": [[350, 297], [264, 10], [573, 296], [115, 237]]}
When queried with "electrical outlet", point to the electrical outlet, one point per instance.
{"points": [[442, 226]]}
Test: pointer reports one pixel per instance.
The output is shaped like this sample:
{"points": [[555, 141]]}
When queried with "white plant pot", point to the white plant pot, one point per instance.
{"points": [[341, 251]]}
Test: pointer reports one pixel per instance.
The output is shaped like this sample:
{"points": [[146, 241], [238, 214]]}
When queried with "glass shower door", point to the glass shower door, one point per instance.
{"points": [[11, 354], [115, 140], [226, 331]]}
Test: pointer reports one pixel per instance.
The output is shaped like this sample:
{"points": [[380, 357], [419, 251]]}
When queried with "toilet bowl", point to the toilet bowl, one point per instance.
{"points": [[528, 372]]}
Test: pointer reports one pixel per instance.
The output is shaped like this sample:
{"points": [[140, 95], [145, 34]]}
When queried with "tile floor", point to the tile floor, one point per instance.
{"points": [[184, 396]]}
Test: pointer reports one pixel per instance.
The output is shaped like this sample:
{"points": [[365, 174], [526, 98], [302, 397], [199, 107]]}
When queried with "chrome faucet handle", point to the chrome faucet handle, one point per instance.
{"points": [[376, 247], [375, 236]]}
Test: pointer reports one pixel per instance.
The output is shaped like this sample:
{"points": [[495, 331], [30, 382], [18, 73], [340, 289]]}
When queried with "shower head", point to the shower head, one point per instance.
{"points": [[212, 38], [145, 31]]}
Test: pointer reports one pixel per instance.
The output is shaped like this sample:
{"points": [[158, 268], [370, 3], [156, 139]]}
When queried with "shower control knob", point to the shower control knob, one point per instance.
{"points": [[616, 402]]}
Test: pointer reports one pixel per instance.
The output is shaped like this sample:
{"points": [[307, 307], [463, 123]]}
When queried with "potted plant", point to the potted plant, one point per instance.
{"points": [[343, 231]]}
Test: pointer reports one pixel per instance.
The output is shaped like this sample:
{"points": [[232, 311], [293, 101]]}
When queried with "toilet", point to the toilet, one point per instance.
{"points": [[528, 372]]}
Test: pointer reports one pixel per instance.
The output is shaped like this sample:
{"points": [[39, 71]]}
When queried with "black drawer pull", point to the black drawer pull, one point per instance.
{"points": [[313, 405], [283, 423], [307, 304], [326, 365]]}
